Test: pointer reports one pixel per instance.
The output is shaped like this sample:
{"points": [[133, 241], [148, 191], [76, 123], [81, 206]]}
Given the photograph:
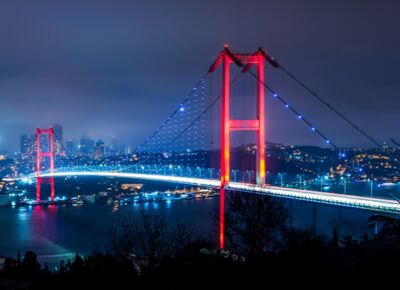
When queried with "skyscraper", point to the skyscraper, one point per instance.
{"points": [[69, 147], [100, 148], [58, 139], [27, 144], [87, 145]]}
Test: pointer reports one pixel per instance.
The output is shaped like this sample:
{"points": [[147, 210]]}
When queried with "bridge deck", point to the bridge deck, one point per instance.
{"points": [[354, 201]]}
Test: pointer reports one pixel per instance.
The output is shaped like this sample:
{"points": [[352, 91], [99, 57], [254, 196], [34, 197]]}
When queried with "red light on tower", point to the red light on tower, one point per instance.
{"points": [[39, 155], [246, 61]]}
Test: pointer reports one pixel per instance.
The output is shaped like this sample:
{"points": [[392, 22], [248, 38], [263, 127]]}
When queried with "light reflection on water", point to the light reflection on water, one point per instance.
{"points": [[61, 231], [58, 232]]}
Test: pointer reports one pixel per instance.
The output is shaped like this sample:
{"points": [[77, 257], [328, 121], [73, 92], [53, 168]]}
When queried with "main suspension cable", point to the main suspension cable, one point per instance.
{"points": [[299, 116], [323, 101]]}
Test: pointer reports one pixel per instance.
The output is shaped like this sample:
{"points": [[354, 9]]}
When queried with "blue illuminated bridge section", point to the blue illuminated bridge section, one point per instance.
{"points": [[346, 200]]}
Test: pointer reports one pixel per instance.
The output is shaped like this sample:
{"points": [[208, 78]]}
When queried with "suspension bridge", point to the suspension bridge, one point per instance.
{"points": [[199, 134]]}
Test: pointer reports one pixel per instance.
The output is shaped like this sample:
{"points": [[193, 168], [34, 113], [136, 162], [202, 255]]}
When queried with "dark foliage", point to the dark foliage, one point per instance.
{"points": [[254, 224], [300, 253]]}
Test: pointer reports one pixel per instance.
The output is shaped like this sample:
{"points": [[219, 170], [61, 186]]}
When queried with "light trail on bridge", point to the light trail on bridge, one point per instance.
{"points": [[330, 198]]}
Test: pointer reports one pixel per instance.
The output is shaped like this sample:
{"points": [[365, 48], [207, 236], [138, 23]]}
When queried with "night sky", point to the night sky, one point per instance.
{"points": [[118, 68]]}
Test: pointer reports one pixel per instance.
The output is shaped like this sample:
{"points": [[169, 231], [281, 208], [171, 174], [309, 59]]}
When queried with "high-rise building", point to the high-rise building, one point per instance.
{"points": [[58, 138], [86, 146], [128, 150], [27, 144], [114, 146], [23, 140], [100, 148], [69, 147]]}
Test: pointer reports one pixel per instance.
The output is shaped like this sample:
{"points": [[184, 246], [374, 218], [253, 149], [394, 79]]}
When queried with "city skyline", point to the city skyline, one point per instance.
{"points": [[82, 73], [71, 146]]}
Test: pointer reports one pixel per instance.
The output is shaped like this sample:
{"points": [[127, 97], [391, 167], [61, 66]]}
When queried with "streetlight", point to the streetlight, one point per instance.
{"points": [[300, 181], [371, 188], [281, 178], [321, 180], [344, 184]]}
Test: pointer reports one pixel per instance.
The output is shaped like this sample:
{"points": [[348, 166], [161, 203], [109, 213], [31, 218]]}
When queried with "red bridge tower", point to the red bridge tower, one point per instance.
{"points": [[49, 154], [246, 61]]}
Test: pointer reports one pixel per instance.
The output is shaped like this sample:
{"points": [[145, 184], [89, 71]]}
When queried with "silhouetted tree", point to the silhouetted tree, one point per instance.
{"points": [[304, 250], [254, 224], [30, 266], [62, 267], [349, 242], [389, 228], [148, 237], [77, 265], [334, 242]]}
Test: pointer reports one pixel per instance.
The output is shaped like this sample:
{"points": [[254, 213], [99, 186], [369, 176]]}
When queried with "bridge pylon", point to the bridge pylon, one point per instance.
{"points": [[49, 154], [246, 61]]}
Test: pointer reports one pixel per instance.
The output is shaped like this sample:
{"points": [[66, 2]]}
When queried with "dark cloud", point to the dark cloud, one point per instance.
{"points": [[93, 65]]}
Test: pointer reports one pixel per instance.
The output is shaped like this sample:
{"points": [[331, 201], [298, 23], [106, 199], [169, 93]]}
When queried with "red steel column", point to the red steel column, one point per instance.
{"points": [[225, 146], [51, 137], [261, 168], [38, 165], [51, 179], [225, 115], [52, 189]]}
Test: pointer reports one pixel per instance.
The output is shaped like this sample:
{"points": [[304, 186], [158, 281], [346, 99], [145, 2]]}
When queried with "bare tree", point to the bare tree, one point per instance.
{"points": [[121, 240], [254, 224], [148, 237]]}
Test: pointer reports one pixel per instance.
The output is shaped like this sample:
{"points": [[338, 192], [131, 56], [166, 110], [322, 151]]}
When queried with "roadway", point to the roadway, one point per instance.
{"points": [[345, 200]]}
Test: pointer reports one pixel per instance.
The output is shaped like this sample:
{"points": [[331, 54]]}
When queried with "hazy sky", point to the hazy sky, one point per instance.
{"points": [[93, 65]]}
